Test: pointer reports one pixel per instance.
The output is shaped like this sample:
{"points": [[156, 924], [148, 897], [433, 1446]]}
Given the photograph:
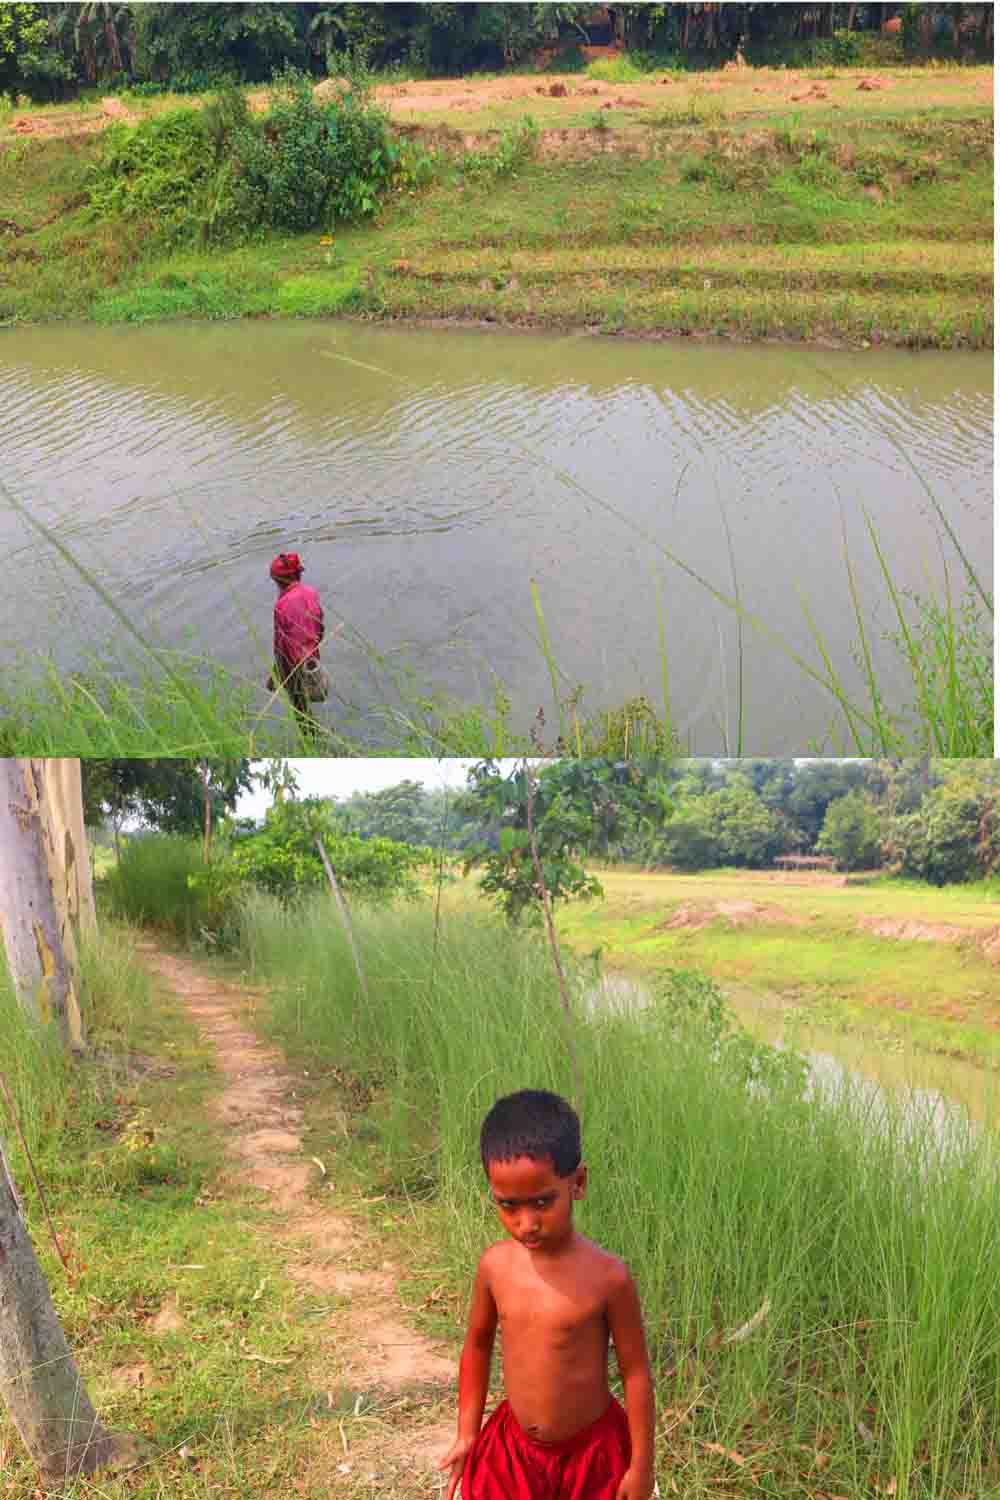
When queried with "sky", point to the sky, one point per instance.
{"points": [[339, 778]]}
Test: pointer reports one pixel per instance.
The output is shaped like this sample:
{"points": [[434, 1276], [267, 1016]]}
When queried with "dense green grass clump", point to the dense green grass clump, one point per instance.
{"points": [[221, 173], [149, 885], [56, 1096], [861, 1234]]}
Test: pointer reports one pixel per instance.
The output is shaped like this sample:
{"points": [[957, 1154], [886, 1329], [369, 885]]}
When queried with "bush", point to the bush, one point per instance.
{"points": [[846, 49], [219, 172], [307, 164]]}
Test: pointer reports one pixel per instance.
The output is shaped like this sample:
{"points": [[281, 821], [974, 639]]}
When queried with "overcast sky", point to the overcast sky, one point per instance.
{"points": [[339, 778]]}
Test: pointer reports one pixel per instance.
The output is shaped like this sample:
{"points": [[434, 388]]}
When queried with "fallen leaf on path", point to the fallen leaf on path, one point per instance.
{"points": [[736, 1458]]}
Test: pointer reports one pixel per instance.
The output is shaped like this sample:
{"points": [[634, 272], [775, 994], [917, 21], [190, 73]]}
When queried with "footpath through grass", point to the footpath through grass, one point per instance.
{"points": [[756, 204], [172, 1289]]}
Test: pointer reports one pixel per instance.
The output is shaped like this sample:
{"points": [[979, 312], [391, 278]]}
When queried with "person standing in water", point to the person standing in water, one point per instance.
{"points": [[298, 630]]}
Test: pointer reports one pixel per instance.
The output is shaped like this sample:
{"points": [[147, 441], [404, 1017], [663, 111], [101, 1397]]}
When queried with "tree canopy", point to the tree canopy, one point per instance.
{"points": [[48, 49]]}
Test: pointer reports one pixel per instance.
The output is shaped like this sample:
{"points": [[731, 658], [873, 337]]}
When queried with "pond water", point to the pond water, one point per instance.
{"points": [[938, 1091], [428, 476]]}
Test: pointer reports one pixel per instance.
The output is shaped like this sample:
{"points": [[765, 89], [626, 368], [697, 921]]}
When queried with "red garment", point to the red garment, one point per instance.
{"points": [[298, 625], [286, 566], [506, 1464]]}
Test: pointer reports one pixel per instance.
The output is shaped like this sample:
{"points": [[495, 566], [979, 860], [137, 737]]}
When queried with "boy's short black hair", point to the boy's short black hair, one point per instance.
{"points": [[532, 1123]]}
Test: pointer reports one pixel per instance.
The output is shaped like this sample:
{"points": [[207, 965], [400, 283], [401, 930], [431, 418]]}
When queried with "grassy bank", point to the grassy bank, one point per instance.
{"points": [[758, 204], [809, 952], [873, 1367]]}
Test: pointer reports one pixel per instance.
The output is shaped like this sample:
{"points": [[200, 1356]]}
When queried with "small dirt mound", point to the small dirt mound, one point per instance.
{"points": [[692, 918], [909, 930]]}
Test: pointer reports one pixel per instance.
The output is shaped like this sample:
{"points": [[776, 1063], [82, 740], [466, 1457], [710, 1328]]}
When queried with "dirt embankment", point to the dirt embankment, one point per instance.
{"points": [[692, 916]]}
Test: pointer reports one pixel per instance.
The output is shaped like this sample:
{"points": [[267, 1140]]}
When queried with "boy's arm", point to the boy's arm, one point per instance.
{"points": [[473, 1373], [625, 1322]]}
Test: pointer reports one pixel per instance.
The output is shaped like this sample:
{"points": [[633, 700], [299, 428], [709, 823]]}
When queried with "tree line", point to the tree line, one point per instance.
{"points": [[934, 820], [49, 51]]}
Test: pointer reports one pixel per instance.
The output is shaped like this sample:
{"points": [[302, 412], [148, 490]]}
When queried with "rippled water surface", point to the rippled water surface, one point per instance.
{"points": [[427, 477]]}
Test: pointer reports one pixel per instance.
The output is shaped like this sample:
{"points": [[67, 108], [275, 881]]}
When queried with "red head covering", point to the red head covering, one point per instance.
{"points": [[287, 566]]}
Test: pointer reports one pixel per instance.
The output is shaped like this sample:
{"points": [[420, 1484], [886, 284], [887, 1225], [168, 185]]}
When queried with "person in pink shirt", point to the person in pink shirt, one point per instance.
{"points": [[298, 630]]}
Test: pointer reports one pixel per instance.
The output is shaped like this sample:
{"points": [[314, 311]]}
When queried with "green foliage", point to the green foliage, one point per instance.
{"points": [[30, 63], [576, 807], [846, 49], [696, 1009], [851, 833], [168, 795], [282, 859], [954, 835], [306, 164], [220, 172], [517, 146], [729, 826], [232, 40], [160, 170], [150, 885]]}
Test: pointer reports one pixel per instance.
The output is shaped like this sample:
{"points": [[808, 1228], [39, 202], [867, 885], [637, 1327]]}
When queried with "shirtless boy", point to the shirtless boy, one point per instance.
{"points": [[558, 1300]]}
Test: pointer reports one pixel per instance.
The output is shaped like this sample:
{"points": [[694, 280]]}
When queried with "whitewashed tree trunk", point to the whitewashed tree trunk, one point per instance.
{"points": [[35, 923], [39, 1383], [63, 805]]}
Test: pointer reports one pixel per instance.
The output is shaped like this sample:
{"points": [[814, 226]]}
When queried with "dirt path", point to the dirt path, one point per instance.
{"points": [[371, 1346]]}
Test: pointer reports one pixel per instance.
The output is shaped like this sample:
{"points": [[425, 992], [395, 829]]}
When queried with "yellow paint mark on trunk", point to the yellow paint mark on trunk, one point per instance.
{"points": [[47, 960]]}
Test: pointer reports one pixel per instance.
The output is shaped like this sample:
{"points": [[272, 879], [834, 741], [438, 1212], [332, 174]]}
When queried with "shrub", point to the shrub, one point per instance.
{"points": [[846, 49], [307, 164], [160, 169]]}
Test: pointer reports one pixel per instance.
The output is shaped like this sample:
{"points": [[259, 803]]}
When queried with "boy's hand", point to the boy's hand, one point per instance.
{"points": [[637, 1484], [454, 1460]]}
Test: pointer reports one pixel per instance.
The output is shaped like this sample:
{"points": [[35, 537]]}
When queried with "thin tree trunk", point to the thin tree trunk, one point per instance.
{"points": [[208, 812], [37, 935], [39, 1383]]}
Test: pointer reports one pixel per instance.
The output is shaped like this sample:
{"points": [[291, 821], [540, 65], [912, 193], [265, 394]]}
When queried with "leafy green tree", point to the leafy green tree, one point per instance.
{"points": [[30, 60], [182, 42], [282, 857], [851, 832], [168, 795], [939, 842], [562, 814]]}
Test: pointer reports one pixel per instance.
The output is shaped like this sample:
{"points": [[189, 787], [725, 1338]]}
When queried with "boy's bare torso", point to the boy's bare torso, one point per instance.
{"points": [[552, 1312]]}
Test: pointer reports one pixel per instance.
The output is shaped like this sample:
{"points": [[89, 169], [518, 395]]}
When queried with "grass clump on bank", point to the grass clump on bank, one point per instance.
{"points": [[861, 1236]]}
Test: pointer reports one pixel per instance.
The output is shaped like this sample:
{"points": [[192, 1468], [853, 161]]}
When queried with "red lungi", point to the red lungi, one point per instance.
{"points": [[506, 1464]]}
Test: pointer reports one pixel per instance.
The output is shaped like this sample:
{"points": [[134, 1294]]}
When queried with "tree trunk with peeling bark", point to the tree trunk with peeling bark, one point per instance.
{"points": [[39, 1383], [44, 888]]}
